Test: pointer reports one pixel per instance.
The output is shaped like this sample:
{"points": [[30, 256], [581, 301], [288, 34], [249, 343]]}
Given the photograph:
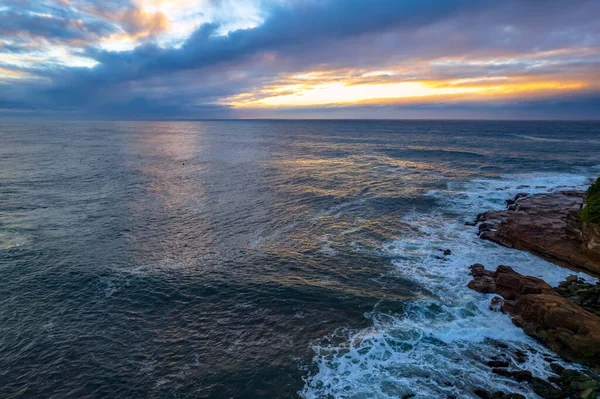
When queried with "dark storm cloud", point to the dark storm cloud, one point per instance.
{"points": [[286, 27]]}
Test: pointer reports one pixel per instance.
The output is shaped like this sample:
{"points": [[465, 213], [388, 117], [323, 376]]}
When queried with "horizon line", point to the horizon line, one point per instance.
{"points": [[304, 119]]}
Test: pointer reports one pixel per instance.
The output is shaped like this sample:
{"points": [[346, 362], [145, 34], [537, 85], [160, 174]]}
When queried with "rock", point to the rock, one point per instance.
{"points": [[583, 294], [447, 252], [566, 384], [555, 380], [546, 390], [497, 363], [502, 372], [483, 281], [572, 279], [486, 226], [546, 225], [591, 237], [497, 395], [520, 195], [565, 327], [557, 368], [496, 304], [522, 375], [588, 394]]}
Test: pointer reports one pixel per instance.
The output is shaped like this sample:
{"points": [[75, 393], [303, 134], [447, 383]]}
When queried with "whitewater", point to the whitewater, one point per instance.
{"points": [[439, 348]]}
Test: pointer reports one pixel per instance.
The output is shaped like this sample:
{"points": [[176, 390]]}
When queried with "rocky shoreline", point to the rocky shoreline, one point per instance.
{"points": [[564, 326], [565, 318], [545, 225]]}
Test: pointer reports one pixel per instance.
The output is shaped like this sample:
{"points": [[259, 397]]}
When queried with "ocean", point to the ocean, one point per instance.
{"points": [[266, 259]]}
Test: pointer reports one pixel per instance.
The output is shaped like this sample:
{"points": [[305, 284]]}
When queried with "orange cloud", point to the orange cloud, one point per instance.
{"points": [[135, 22], [141, 23]]}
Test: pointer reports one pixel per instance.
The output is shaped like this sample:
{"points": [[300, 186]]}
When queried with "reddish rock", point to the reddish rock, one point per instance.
{"points": [[565, 327], [484, 280], [547, 226]]}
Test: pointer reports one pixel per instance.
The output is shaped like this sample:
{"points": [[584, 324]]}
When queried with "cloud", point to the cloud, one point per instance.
{"points": [[133, 20], [347, 41], [49, 27]]}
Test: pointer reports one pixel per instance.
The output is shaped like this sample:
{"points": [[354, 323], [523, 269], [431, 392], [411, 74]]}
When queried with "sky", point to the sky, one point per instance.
{"points": [[213, 59]]}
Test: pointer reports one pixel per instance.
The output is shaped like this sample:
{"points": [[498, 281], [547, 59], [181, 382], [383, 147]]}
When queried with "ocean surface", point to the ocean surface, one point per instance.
{"points": [[265, 259]]}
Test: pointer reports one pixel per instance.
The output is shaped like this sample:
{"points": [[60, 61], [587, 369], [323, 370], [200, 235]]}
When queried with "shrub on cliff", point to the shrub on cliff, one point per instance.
{"points": [[591, 212]]}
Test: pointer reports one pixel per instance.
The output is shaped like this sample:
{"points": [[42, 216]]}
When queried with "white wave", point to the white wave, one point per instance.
{"points": [[536, 138], [438, 348]]}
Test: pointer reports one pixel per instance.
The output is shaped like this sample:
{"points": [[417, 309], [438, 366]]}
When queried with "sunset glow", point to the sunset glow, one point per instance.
{"points": [[341, 93], [197, 59]]}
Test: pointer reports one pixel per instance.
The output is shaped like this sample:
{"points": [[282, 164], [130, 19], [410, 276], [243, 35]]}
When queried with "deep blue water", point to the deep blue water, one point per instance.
{"points": [[262, 259]]}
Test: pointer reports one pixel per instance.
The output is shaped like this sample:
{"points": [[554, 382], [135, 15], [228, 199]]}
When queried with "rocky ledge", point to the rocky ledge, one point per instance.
{"points": [[546, 225], [564, 326], [565, 383], [583, 294]]}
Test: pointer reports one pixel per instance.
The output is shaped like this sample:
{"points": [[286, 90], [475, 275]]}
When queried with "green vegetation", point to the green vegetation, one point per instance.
{"points": [[591, 212]]}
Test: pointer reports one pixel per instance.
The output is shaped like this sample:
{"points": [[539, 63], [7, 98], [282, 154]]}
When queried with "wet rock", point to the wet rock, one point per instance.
{"points": [[546, 390], [447, 252], [503, 372], [520, 195], [522, 375], [546, 225], [520, 357], [496, 304], [557, 368], [483, 280], [519, 375], [535, 306], [579, 384], [482, 394], [497, 395], [567, 383], [497, 363]]}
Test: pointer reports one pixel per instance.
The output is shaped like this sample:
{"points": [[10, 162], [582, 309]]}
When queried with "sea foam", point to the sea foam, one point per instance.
{"points": [[439, 347]]}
